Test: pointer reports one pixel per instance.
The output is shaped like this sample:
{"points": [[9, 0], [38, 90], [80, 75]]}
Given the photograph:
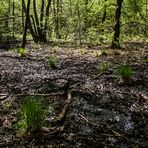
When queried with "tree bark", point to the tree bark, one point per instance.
{"points": [[104, 13], [32, 30], [42, 13], [116, 36], [13, 9], [26, 24]]}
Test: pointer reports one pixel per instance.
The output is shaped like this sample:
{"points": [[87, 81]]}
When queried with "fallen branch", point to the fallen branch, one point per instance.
{"points": [[51, 94], [97, 125], [68, 101], [52, 131], [89, 122], [62, 115], [100, 74], [4, 96]]}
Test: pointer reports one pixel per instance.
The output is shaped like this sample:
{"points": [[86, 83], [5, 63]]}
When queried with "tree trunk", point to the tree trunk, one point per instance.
{"points": [[115, 41], [42, 13], [86, 16], [26, 24], [47, 14], [32, 30], [13, 9], [22, 16], [104, 13], [36, 17]]}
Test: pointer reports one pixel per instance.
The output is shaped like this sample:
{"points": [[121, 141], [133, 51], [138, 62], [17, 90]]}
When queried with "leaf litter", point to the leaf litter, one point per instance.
{"points": [[101, 113]]}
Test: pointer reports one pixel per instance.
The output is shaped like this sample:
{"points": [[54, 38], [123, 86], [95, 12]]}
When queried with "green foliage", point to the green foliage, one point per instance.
{"points": [[104, 66], [78, 20], [103, 51], [124, 71], [33, 114], [145, 60], [52, 60], [22, 52]]}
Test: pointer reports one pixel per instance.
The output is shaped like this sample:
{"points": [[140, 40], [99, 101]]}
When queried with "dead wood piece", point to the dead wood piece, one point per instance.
{"points": [[89, 122], [116, 133], [3, 97], [100, 74], [43, 95], [97, 125], [52, 131], [51, 94], [65, 108], [26, 57], [68, 101]]}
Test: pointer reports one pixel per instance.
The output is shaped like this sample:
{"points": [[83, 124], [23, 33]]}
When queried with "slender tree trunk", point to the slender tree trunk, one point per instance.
{"points": [[42, 31], [146, 6], [22, 16], [47, 14], [86, 16], [70, 6], [26, 24], [58, 20], [39, 23], [47, 17], [32, 30], [116, 36], [7, 15], [104, 14], [42, 13], [79, 21], [13, 9], [36, 17]]}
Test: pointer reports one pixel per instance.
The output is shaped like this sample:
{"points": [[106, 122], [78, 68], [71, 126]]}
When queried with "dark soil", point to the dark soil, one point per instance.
{"points": [[102, 113]]}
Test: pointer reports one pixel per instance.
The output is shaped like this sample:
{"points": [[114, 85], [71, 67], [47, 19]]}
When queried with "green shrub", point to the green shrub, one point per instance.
{"points": [[22, 52], [52, 60], [145, 60], [124, 71], [104, 66], [103, 51], [33, 114]]}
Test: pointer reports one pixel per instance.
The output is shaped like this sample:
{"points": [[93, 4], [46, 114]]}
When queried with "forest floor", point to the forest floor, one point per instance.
{"points": [[100, 112]]}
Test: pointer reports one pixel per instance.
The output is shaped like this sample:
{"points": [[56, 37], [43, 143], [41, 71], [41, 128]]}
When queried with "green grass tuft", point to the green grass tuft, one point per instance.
{"points": [[124, 71], [145, 60], [104, 66], [22, 52], [33, 114], [52, 60]]}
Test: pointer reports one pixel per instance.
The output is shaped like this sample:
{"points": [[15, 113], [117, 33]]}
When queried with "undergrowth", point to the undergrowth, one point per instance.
{"points": [[33, 114]]}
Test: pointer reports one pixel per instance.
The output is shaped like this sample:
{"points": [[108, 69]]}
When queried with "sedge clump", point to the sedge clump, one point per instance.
{"points": [[104, 66], [33, 114], [22, 52], [125, 73], [52, 61]]}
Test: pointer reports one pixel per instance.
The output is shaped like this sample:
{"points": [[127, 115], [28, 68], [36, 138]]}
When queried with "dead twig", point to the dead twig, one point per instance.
{"points": [[51, 94], [100, 74], [62, 115], [116, 133], [68, 101], [89, 122], [97, 125], [52, 131]]}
